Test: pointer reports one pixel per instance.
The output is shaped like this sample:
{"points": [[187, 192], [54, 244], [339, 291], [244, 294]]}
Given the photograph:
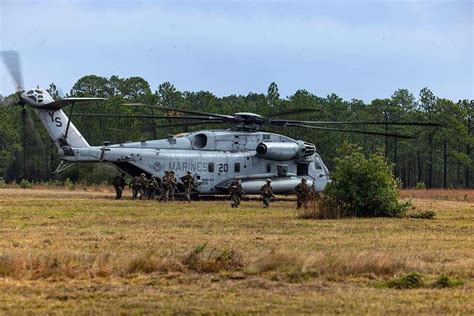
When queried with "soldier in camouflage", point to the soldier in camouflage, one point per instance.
{"points": [[302, 194], [135, 186], [143, 183], [165, 187], [188, 183], [236, 192], [266, 192], [119, 183], [173, 184], [152, 188]]}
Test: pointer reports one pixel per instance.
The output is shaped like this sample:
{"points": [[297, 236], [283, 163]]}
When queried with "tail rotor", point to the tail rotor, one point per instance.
{"points": [[30, 136]]}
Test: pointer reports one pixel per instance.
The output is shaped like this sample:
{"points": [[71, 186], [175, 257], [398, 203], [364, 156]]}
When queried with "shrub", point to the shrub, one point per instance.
{"points": [[420, 185], [3, 184], [68, 184], [409, 281], [423, 215], [445, 282], [363, 186], [25, 184]]}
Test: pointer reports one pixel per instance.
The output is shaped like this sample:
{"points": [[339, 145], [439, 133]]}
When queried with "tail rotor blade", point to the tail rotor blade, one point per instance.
{"points": [[11, 59], [31, 133]]}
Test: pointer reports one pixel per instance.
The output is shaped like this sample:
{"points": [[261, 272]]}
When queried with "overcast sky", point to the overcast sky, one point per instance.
{"points": [[356, 49]]}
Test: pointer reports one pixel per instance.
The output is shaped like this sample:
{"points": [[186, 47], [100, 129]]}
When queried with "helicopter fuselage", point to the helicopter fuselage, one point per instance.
{"points": [[216, 157]]}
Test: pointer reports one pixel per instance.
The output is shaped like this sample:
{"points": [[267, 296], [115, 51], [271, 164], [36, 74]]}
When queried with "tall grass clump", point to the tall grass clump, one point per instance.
{"points": [[214, 260]]}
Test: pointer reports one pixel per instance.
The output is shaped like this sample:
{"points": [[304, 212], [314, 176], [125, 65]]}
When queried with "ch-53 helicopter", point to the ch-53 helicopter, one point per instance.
{"points": [[215, 157]]}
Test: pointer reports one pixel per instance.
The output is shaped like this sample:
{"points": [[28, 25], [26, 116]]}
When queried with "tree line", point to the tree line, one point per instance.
{"points": [[438, 157]]}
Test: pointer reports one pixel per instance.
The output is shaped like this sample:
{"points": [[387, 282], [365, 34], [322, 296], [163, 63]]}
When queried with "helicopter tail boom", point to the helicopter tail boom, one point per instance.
{"points": [[61, 130]]}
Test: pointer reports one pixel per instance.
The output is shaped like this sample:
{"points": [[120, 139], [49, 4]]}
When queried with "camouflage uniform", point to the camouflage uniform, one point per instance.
{"points": [[135, 186], [152, 187], [119, 183], [165, 187], [173, 184], [236, 192], [266, 192], [143, 181], [188, 183], [302, 194]]}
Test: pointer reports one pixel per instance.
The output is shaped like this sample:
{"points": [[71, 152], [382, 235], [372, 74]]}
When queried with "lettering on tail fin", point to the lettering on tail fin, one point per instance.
{"points": [[56, 120]]}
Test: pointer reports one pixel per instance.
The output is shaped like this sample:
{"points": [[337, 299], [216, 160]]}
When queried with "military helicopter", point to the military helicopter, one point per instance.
{"points": [[215, 157]]}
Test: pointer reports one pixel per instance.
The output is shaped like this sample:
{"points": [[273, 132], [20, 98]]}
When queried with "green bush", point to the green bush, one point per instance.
{"points": [[68, 184], [420, 185], [25, 184], [409, 281], [363, 186], [423, 215], [445, 282]]}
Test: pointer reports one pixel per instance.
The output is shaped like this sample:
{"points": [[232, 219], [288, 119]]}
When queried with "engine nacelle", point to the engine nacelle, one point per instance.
{"points": [[284, 151]]}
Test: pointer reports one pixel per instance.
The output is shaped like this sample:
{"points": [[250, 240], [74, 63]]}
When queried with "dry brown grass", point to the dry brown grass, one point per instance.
{"points": [[65, 251], [439, 194]]}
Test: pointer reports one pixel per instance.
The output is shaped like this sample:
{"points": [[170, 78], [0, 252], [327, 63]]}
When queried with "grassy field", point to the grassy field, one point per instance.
{"points": [[83, 252]]}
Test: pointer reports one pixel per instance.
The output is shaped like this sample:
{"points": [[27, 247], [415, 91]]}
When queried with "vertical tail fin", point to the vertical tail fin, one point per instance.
{"points": [[56, 123], [60, 129]]}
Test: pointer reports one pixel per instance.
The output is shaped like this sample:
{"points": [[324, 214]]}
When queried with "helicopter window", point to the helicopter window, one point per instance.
{"points": [[200, 141], [38, 91], [32, 97], [30, 92], [302, 169], [269, 167], [210, 167], [237, 167]]}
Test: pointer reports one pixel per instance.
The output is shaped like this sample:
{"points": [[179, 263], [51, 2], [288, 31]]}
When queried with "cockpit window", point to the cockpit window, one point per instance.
{"points": [[302, 169], [30, 92], [32, 97], [39, 91]]}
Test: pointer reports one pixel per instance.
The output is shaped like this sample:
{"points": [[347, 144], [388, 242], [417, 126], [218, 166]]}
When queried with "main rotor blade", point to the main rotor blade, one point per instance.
{"points": [[294, 111], [188, 124], [167, 109], [351, 131], [282, 122], [169, 125], [145, 116], [11, 59]]}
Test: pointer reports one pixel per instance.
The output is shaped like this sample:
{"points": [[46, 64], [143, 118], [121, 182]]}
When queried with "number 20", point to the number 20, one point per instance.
{"points": [[223, 167]]}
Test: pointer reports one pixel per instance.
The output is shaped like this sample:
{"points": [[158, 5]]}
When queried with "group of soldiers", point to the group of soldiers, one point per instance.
{"points": [[236, 192], [165, 188], [150, 188]]}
